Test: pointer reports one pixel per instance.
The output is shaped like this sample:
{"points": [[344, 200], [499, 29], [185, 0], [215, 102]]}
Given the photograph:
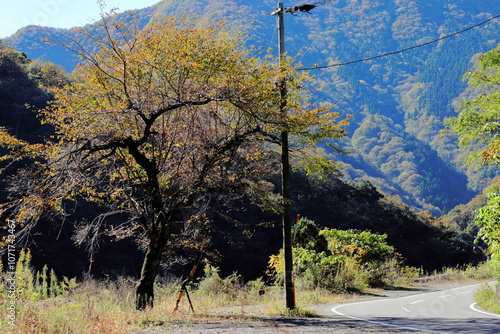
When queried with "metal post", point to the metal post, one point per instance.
{"points": [[285, 165]]}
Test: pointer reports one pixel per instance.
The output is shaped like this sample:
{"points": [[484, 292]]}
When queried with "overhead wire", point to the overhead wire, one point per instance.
{"points": [[272, 37], [399, 51], [320, 3]]}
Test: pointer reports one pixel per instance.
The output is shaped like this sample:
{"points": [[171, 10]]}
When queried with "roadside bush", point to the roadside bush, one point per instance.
{"points": [[342, 260]]}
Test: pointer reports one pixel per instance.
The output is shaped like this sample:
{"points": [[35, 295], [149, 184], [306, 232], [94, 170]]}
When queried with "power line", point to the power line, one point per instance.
{"points": [[320, 3], [399, 51]]}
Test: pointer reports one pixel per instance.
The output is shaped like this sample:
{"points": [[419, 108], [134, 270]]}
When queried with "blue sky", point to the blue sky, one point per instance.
{"points": [[15, 14]]}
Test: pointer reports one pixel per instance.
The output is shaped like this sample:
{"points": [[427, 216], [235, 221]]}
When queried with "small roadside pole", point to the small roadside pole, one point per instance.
{"points": [[183, 288]]}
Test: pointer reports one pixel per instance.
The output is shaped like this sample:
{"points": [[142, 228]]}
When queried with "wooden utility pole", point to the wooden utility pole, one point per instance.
{"points": [[285, 172]]}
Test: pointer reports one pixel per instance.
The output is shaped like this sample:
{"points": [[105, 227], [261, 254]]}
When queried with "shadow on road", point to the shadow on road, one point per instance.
{"points": [[391, 325], [446, 325]]}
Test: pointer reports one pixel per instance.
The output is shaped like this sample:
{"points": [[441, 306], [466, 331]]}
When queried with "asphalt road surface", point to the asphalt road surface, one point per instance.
{"points": [[447, 311], [435, 308]]}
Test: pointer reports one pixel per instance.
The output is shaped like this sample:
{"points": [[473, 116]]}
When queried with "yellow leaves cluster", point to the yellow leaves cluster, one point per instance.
{"points": [[163, 108], [7, 140], [17, 149], [355, 251], [11, 143], [29, 209], [492, 153]]}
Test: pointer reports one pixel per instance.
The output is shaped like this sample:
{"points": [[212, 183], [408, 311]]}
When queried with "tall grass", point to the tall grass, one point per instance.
{"points": [[465, 273], [488, 297], [48, 304]]}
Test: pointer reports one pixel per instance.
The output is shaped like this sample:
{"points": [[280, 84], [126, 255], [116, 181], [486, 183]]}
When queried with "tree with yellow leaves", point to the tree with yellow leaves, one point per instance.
{"points": [[154, 120]]}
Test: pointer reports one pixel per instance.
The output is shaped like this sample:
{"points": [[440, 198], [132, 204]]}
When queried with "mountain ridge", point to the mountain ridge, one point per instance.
{"points": [[399, 102]]}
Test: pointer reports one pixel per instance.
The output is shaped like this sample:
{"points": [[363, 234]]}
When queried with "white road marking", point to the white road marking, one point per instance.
{"points": [[405, 308], [474, 308], [334, 310], [416, 302]]}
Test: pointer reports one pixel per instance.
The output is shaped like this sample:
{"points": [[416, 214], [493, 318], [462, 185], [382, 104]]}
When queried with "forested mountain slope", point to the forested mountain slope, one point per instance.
{"points": [[399, 102]]}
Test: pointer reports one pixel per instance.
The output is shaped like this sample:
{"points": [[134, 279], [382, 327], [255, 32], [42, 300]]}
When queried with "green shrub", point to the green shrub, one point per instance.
{"points": [[339, 260]]}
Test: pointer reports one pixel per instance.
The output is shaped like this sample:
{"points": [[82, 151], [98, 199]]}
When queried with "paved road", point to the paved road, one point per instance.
{"points": [[447, 311]]}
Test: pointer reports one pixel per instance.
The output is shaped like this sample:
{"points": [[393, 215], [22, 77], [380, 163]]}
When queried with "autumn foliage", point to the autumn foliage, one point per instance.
{"points": [[154, 121]]}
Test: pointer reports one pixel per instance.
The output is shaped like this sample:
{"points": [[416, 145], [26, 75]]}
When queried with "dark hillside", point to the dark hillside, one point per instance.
{"points": [[422, 240], [19, 95]]}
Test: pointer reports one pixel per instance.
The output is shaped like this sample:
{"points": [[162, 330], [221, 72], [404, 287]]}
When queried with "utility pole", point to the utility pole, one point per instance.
{"points": [[285, 171], [285, 159]]}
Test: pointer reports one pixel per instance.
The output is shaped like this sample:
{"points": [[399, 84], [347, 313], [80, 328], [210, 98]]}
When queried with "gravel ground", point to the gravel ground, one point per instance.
{"points": [[250, 319], [275, 326]]}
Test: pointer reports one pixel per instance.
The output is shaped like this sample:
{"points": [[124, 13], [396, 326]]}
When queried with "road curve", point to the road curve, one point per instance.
{"points": [[446, 311]]}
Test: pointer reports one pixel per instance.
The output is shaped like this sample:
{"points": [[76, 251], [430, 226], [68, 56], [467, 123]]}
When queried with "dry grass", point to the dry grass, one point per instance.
{"points": [[464, 274], [108, 306]]}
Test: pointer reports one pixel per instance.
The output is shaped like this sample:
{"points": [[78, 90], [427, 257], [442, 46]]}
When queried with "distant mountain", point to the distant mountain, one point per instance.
{"points": [[399, 101]]}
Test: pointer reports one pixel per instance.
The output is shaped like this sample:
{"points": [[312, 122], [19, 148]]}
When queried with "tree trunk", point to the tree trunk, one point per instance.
{"points": [[144, 296]]}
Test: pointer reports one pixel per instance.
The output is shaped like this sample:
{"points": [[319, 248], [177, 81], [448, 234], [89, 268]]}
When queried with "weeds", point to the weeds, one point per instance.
{"points": [[299, 312], [229, 290], [488, 297], [466, 273], [47, 304]]}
